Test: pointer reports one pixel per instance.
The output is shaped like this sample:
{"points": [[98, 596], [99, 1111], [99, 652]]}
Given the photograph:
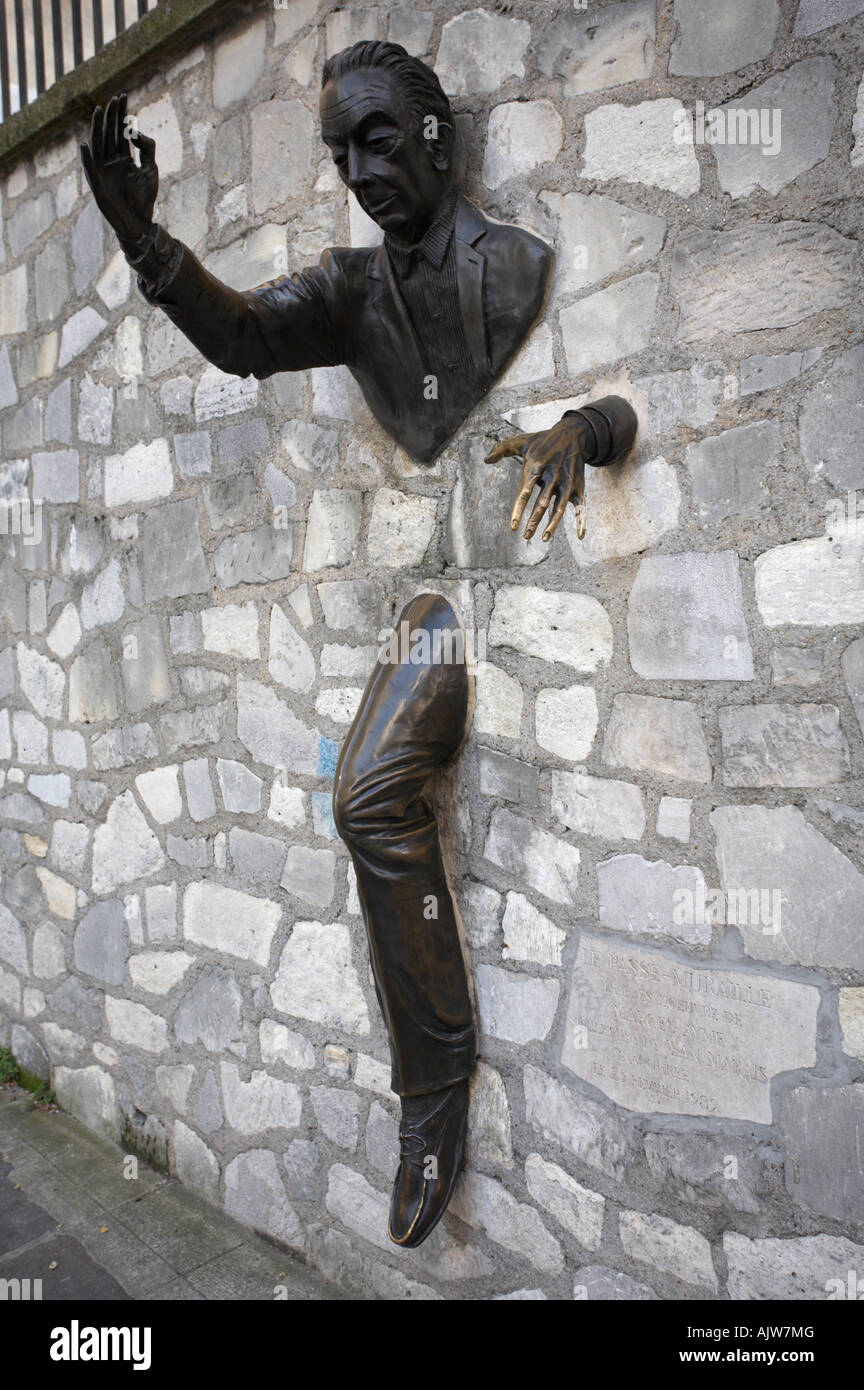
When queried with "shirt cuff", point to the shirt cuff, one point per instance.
{"points": [[157, 264], [601, 432]]}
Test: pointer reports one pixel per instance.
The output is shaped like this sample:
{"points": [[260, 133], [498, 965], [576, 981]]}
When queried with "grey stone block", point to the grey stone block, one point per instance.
{"points": [[831, 422], [822, 1129], [728, 470], [685, 618], [100, 942], [783, 746], [172, 561], [210, 1012], [758, 276], [88, 246], [714, 39], [255, 557]]}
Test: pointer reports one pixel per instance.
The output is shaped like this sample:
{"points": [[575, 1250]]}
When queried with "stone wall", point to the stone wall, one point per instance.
{"points": [[655, 831]]}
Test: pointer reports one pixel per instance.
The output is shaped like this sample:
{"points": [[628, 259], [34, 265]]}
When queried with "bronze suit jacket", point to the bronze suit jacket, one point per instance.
{"points": [[348, 310]]}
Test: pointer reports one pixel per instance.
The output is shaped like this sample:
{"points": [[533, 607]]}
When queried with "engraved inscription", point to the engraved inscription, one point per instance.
{"points": [[658, 1035]]}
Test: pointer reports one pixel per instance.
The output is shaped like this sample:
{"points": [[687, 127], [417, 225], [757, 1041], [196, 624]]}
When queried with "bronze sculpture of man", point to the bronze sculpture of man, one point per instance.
{"points": [[425, 323]]}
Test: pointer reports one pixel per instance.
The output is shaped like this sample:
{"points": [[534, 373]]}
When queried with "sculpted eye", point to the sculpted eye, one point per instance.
{"points": [[381, 144]]}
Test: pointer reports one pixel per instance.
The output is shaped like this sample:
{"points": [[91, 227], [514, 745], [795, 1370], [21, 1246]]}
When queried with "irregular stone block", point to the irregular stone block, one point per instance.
{"points": [[758, 276], [142, 474], [595, 1135], [822, 1131], [227, 920], [807, 1267], [554, 626], [515, 1007], [670, 1247], [814, 15], [628, 508], [485, 1204], [172, 561], [317, 980], [271, 732], [521, 135], [638, 896], [566, 721], [210, 1012], [124, 847], [610, 324], [259, 1104], [598, 806], [596, 1283], [685, 618], [802, 98], [528, 935], [713, 40], [604, 48], [650, 734], [543, 862], [88, 1094], [767, 373], [812, 583], [332, 528], [100, 943], [776, 852], [144, 667], [637, 143], [831, 424], [783, 745], [479, 51], [255, 1194], [255, 557], [797, 665], [727, 471]]}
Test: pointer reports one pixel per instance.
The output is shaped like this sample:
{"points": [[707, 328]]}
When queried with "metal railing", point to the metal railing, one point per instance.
{"points": [[41, 40]]}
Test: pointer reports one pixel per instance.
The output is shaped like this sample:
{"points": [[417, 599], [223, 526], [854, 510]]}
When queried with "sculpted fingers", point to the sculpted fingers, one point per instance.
{"points": [[507, 448], [540, 508], [559, 512], [530, 477], [96, 135]]}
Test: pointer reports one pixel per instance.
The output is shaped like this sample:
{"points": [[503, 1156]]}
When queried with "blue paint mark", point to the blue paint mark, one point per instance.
{"points": [[322, 816], [328, 756]]}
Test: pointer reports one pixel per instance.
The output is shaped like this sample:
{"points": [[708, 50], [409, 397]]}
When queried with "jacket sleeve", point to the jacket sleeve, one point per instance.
{"points": [[284, 325]]}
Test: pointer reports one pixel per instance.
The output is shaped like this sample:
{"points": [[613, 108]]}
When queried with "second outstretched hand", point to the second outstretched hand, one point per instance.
{"points": [[553, 460]]}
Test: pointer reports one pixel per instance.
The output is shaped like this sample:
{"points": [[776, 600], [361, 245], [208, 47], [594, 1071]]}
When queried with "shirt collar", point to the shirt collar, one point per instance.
{"points": [[432, 246]]}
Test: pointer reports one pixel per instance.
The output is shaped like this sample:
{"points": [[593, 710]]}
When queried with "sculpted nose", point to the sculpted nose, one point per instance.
{"points": [[356, 170]]}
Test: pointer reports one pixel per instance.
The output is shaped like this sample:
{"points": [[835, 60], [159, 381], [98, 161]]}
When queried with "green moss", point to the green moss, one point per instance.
{"points": [[136, 1137], [9, 1068]]}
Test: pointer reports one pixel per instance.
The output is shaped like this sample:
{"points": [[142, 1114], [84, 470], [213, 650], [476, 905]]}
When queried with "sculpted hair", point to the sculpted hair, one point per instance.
{"points": [[422, 90]]}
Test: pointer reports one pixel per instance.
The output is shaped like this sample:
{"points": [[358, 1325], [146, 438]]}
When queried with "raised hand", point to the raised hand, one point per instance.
{"points": [[554, 461], [125, 192]]}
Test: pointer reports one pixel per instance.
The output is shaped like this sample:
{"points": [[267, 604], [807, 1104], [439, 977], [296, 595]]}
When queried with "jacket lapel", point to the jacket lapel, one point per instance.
{"points": [[470, 275], [393, 315]]}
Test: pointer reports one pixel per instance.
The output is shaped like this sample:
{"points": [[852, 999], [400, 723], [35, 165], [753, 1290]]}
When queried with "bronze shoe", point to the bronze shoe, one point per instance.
{"points": [[432, 1143]]}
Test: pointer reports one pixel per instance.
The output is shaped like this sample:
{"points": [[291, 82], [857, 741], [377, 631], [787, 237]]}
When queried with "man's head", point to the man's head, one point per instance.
{"points": [[389, 126]]}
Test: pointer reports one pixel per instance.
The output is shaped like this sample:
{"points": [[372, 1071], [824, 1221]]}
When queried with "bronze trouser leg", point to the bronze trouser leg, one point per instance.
{"points": [[411, 718]]}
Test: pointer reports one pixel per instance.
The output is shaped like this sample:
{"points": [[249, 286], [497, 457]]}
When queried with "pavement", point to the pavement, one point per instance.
{"points": [[69, 1217]]}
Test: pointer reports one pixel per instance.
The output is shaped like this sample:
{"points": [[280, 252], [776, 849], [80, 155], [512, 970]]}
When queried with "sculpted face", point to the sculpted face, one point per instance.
{"points": [[398, 177]]}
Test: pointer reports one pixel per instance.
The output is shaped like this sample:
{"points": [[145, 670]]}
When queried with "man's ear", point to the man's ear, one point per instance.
{"points": [[438, 137]]}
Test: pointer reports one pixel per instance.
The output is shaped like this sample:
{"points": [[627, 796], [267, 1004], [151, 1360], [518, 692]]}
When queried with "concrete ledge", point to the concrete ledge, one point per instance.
{"points": [[70, 100]]}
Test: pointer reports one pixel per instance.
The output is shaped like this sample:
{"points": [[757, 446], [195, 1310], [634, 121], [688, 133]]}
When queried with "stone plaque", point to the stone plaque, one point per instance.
{"points": [[679, 1039]]}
